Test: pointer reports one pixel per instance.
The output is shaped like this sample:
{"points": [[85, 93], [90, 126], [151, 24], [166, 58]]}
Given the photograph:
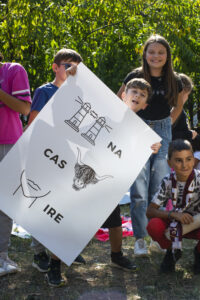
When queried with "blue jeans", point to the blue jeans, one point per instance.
{"points": [[148, 181]]}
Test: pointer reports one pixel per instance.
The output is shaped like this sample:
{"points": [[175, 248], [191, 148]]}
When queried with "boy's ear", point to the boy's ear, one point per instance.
{"points": [[124, 96], [54, 67]]}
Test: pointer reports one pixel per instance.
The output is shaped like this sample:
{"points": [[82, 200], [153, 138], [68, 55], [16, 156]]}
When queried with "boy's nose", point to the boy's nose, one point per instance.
{"points": [[184, 164]]}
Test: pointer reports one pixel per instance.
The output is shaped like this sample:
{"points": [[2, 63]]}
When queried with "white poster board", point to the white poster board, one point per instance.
{"points": [[73, 164]]}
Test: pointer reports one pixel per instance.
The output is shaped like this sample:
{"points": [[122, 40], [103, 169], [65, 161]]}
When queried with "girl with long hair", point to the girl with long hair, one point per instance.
{"points": [[165, 106]]}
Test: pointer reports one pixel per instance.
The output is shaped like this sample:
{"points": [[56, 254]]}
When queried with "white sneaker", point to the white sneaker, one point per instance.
{"points": [[7, 266], [154, 246], [140, 248]]}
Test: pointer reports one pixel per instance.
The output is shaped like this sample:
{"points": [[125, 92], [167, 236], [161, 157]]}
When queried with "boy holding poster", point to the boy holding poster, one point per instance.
{"points": [[15, 99], [65, 58], [64, 64], [182, 185], [136, 96]]}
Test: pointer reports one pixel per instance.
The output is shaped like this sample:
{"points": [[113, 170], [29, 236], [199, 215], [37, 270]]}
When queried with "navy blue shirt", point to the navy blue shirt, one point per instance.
{"points": [[42, 95]]}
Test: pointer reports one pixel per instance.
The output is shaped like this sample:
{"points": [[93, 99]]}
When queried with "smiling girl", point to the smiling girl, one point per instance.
{"points": [[165, 106]]}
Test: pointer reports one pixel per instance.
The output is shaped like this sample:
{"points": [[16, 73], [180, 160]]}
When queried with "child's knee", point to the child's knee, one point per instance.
{"points": [[156, 228]]}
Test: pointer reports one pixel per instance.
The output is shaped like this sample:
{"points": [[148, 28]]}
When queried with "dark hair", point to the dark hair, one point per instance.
{"points": [[141, 84], [171, 85], [178, 145], [186, 82], [67, 54], [1, 57]]}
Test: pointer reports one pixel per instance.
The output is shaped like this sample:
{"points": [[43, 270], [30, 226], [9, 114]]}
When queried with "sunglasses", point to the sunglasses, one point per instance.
{"points": [[67, 66]]}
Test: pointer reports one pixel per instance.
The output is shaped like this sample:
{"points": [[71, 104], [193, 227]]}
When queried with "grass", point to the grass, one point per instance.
{"points": [[97, 280]]}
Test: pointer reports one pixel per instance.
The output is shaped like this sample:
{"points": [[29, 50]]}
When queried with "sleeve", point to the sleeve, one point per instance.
{"points": [[162, 195], [128, 77], [179, 134], [180, 129], [133, 74], [20, 84], [40, 98]]}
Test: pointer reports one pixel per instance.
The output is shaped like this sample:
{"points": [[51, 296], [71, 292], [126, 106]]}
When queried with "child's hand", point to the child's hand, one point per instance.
{"points": [[71, 70], [184, 218], [155, 147], [194, 134]]}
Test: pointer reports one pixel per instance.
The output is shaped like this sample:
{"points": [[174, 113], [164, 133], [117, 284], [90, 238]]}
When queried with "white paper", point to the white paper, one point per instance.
{"points": [[84, 120]]}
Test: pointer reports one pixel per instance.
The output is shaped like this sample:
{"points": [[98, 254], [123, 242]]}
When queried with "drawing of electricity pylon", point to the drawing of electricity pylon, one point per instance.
{"points": [[94, 131], [79, 116]]}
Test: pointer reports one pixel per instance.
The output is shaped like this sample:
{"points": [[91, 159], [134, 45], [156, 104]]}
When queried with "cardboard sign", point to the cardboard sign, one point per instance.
{"points": [[73, 164]]}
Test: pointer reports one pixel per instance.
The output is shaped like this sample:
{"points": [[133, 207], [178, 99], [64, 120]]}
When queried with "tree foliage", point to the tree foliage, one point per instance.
{"points": [[108, 34]]}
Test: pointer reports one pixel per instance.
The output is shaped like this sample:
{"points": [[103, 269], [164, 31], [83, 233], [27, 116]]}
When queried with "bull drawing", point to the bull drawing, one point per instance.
{"points": [[85, 175]]}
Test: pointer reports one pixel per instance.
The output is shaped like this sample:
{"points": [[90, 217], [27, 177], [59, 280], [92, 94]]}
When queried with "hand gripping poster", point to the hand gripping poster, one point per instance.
{"points": [[74, 163]]}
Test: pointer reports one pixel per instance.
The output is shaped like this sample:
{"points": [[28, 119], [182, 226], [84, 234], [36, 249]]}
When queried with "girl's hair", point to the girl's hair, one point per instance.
{"points": [[1, 57], [186, 82], [170, 80], [179, 145]]}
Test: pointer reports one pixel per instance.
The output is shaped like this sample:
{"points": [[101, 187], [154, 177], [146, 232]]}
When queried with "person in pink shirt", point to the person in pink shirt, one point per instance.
{"points": [[15, 99]]}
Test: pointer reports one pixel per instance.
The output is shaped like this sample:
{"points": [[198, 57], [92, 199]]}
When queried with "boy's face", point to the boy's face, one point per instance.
{"points": [[135, 98], [60, 70], [183, 163]]}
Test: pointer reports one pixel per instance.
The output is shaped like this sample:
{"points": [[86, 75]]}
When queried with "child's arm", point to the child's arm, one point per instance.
{"points": [[155, 147], [176, 110], [196, 161], [32, 116], [154, 212], [20, 106]]}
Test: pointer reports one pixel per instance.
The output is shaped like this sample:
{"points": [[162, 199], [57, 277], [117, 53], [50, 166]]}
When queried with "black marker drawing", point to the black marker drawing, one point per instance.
{"points": [[78, 118], [85, 175], [93, 131], [29, 186]]}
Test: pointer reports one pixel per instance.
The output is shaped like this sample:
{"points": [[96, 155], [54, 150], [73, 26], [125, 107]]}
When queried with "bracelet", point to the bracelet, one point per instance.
{"points": [[169, 214]]}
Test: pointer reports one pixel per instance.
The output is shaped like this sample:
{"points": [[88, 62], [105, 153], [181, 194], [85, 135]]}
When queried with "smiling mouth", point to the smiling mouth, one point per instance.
{"points": [[134, 101], [156, 61]]}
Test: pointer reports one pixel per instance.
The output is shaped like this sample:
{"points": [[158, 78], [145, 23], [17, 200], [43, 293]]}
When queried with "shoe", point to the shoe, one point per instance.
{"points": [[169, 261], [79, 260], [53, 276], [7, 266], [196, 266], [154, 246], [140, 248], [122, 262], [41, 262]]}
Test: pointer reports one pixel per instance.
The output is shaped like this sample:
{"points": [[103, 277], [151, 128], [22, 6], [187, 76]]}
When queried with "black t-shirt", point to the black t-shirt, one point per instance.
{"points": [[180, 128], [158, 108]]}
